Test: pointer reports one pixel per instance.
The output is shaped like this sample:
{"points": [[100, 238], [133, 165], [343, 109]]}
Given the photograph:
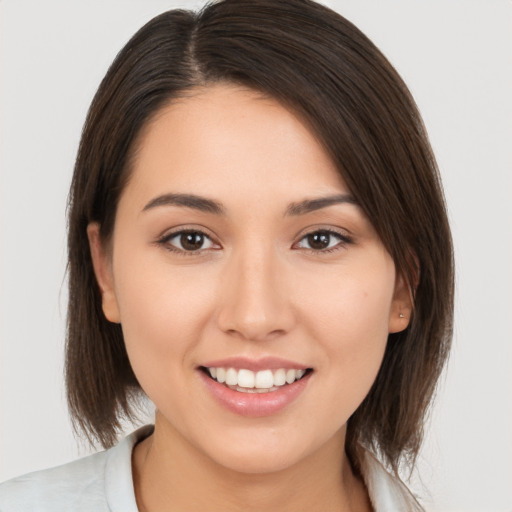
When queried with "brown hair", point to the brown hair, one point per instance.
{"points": [[317, 63]]}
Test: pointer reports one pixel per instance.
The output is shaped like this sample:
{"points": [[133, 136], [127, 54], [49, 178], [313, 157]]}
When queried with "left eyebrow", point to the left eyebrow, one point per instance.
{"points": [[310, 205]]}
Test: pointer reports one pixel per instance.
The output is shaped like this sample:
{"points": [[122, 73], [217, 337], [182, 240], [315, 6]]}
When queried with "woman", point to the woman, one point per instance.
{"points": [[258, 243]]}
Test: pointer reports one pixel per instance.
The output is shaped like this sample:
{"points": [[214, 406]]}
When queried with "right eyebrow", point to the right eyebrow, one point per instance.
{"points": [[193, 201]]}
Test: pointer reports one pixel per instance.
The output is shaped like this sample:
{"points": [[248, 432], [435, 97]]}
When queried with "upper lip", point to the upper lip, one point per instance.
{"points": [[255, 365]]}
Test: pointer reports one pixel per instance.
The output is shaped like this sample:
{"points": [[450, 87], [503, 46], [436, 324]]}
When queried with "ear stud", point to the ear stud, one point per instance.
{"points": [[401, 315]]}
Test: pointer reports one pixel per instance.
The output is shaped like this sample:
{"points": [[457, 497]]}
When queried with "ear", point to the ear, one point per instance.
{"points": [[102, 263], [402, 305]]}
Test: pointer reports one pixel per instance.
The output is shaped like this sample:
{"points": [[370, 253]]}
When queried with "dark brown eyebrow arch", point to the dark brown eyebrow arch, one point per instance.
{"points": [[188, 200], [310, 205], [210, 206]]}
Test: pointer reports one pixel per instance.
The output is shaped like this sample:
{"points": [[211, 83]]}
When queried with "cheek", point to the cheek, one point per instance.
{"points": [[348, 317], [163, 310], [354, 329], [349, 305]]}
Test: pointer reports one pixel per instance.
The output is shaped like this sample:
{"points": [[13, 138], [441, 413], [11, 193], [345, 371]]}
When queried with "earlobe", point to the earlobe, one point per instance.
{"points": [[103, 271], [401, 307]]}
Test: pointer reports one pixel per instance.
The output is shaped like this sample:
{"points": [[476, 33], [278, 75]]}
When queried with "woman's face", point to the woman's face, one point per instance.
{"points": [[238, 251]]}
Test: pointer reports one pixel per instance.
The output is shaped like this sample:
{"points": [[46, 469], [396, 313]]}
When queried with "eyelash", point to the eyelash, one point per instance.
{"points": [[344, 240], [165, 241]]}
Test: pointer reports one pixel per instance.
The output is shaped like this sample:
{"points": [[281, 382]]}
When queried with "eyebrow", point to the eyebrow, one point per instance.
{"points": [[188, 200], [310, 205], [211, 206]]}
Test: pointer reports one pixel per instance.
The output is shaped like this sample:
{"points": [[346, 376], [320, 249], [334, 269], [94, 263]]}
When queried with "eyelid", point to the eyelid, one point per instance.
{"points": [[163, 239], [179, 234], [169, 234], [342, 235]]}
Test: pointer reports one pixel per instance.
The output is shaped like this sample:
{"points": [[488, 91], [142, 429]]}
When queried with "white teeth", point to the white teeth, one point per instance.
{"points": [[247, 381], [264, 379], [231, 377], [221, 375], [280, 377], [253, 390], [290, 376]]}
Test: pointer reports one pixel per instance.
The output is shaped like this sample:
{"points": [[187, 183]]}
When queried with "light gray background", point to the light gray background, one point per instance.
{"points": [[456, 56]]}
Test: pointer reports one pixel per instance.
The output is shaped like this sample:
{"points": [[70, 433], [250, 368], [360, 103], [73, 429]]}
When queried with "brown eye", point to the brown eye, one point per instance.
{"points": [[189, 241], [323, 240], [192, 241], [319, 241]]}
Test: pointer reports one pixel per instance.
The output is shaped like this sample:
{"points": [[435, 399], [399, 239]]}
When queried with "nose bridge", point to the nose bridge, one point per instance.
{"points": [[254, 304]]}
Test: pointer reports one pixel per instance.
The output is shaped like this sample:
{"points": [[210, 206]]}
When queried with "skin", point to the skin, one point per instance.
{"points": [[255, 288]]}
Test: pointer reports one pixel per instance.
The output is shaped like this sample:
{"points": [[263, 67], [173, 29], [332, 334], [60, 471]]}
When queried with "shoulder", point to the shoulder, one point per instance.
{"points": [[64, 487], [99, 482], [387, 492]]}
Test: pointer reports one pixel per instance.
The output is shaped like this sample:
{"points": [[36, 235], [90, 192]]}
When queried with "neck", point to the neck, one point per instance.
{"points": [[170, 474]]}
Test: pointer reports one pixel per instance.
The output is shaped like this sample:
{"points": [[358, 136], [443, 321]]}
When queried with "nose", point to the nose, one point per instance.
{"points": [[254, 302]]}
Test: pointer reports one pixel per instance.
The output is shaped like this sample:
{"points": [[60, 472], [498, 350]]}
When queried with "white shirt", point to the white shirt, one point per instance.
{"points": [[103, 483]]}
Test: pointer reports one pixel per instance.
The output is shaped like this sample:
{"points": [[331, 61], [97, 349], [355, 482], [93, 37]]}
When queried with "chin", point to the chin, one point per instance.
{"points": [[262, 450], [257, 461]]}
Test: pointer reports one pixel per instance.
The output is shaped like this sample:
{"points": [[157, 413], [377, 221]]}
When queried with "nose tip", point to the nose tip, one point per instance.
{"points": [[254, 303], [255, 328]]}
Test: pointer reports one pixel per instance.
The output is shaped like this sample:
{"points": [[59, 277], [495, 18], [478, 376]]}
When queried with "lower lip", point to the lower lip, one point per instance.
{"points": [[255, 404]]}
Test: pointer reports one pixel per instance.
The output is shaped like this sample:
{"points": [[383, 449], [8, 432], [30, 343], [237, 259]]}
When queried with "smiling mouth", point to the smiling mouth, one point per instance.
{"points": [[247, 381]]}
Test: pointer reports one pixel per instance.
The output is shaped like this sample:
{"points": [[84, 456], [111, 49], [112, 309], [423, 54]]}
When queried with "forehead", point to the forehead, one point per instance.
{"points": [[228, 139]]}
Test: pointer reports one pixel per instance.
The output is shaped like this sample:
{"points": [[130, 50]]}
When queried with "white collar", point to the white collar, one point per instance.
{"points": [[387, 492]]}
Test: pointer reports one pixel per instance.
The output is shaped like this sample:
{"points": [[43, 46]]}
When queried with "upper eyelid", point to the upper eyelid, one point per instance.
{"points": [[344, 238], [172, 232], [343, 233], [175, 234], [328, 231]]}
